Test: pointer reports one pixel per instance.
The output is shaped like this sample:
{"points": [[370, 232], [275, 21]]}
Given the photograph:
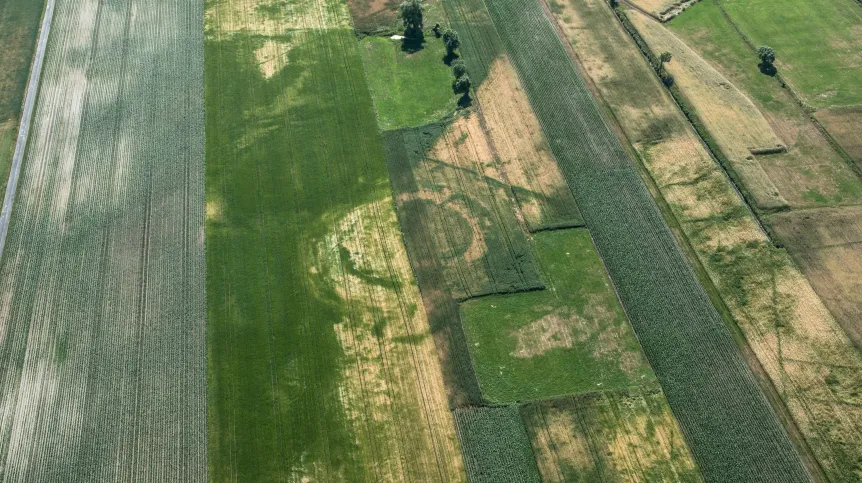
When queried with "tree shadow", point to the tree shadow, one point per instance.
{"points": [[449, 57], [413, 41], [767, 69], [465, 101]]}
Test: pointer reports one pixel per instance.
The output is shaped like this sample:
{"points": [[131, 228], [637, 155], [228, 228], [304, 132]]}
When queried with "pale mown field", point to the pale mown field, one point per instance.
{"points": [[102, 359]]}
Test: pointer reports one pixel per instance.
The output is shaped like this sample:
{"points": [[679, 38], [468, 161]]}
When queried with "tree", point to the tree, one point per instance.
{"points": [[411, 14], [766, 55], [459, 68], [462, 84], [614, 3], [451, 41], [665, 57]]}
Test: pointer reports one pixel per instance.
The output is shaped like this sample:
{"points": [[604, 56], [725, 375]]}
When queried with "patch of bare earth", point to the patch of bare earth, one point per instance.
{"points": [[275, 17], [392, 382], [523, 153]]}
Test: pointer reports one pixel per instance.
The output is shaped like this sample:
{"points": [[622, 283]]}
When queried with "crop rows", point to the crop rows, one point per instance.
{"points": [[495, 445], [102, 362], [321, 363], [728, 423]]}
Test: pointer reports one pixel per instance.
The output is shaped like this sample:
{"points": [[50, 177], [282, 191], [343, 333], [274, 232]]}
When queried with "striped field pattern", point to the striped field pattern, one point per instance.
{"points": [[102, 361]]}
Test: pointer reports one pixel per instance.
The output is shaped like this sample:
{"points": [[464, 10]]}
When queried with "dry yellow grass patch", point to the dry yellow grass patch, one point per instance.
{"points": [[608, 437], [555, 330], [844, 125], [275, 17], [392, 382], [733, 120], [524, 156]]}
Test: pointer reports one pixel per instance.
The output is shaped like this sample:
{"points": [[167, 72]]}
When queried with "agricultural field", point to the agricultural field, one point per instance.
{"points": [[496, 445], [732, 119], [811, 173], [275, 240], [826, 67], [320, 358], [525, 346], [780, 315], [841, 123], [19, 27], [639, 251], [102, 344], [396, 76], [610, 436]]}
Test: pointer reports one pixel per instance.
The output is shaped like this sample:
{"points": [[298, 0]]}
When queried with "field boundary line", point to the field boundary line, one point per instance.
{"points": [[26, 117]]}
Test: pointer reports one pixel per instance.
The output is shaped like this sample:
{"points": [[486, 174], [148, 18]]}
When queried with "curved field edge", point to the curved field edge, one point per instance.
{"points": [[322, 363], [632, 239]]}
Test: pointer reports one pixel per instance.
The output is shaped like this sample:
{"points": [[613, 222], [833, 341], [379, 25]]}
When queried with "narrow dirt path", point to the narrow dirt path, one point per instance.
{"points": [[24, 129]]}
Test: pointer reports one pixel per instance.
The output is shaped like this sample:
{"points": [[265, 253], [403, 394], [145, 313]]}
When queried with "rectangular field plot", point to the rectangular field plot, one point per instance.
{"points": [[625, 436], [818, 44], [322, 364], [843, 125], [703, 375], [102, 355], [496, 445], [572, 337], [446, 181], [766, 295]]}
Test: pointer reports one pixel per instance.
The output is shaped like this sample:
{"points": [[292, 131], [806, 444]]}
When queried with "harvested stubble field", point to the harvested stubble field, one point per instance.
{"points": [[321, 361], [102, 316], [781, 317], [19, 27], [571, 338], [811, 173], [625, 436], [694, 356]]}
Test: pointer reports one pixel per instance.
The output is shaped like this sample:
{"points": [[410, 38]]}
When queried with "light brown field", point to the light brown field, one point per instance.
{"points": [[827, 243], [785, 322], [608, 436], [733, 120], [526, 162], [845, 125], [394, 384]]}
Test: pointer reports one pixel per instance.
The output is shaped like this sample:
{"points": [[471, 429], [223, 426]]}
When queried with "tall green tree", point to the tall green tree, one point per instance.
{"points": [[451, 41], [411, 12], [766, 55]]}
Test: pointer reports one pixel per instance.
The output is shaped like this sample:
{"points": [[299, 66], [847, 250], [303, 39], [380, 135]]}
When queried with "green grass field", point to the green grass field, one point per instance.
{"points": [[571, 338], [409, 88], [818, 44], [19, 27]]}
